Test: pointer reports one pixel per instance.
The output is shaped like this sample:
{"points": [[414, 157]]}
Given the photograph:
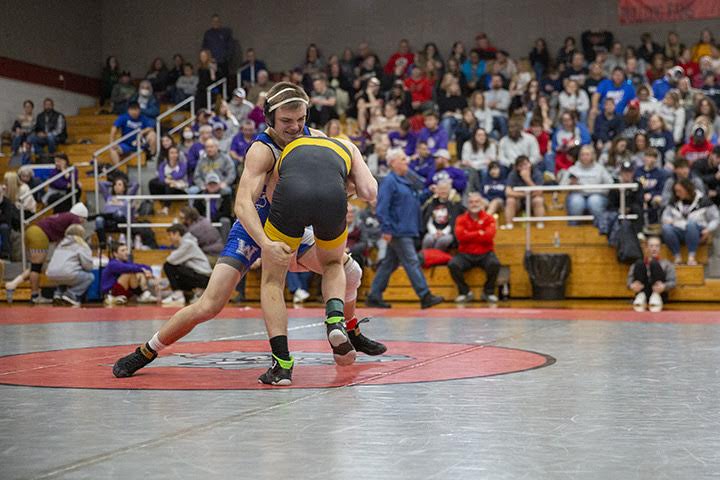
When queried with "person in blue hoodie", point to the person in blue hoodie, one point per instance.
{"points": [[493, 188], [615, 87], [422, 163], [398, 210], [121, 279], [652, 179]]}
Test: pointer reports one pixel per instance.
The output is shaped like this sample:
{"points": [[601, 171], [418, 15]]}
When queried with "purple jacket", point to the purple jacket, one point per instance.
{"points": [[193, 156], [114, 269], [407, 143], [423, 166], [112, 204], [64, 182], [458, 177], [435, 140], [177, 173]]}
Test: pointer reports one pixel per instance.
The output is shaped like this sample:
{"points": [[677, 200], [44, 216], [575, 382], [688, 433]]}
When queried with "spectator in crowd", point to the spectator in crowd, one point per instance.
{"points": [[121, 279], [208, 237], [615, 88], [172, 177], [523, 175], [475, 232], [483, 115], [71, 266], [207, 75], [420, 88], [633, 198], [187, 141], [633, 122], [220, 208], [433, 134], [518, 143], [212, 160], [37, 240], [187, 84], [403, 58], [26, 176], [483, 47], [652, 179], [708, 169], [673, 46], [698, 147], [711, 88], [23, 126], [439, 213], [145, 97], [681, 170], [587, 172], [705, 113], [442, 170], [377, 160], [322, 101], [649, 105], [11, 191], [492, 188], [173, 75], [615, 58], [109, 78], [576, 70], [203, 117], [367, 99], [222, 140], [648, 48], [193, 154], [651, 278], [566, 52], [398, 210], [674, 115], [595, 42], [298, 283], [240, 144], [633, 72], [239, 106], [114, 209], [50, 129], [126, 123], [656, 70], [575, 100], [607, 125], [479, 151], [62, 185], [618, 154], [704, 47], [451, 103], [667, 82], [263, 84], [431, 60], [497, 99], [157, 75], [401, 98], [250, 68], [219, 42], [473, 69], [539, 57], [568, 137], [186, 268], [403, 138], [16, 189], [661, 139], [690, 218], [121, 94]]}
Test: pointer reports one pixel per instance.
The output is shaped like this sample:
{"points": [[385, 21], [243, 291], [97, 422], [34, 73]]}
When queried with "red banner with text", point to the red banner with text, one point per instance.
{"points": [[653, 11]]}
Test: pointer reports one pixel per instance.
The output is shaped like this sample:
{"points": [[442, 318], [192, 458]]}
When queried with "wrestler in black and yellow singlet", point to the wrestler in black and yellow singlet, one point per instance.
{"points": [[310, 192]]}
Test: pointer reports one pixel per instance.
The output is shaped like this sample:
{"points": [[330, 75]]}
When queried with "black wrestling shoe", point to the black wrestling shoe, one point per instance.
{"points": [[343, 350], [127, 366], [280, 373], [364, 344], [430, 300]]}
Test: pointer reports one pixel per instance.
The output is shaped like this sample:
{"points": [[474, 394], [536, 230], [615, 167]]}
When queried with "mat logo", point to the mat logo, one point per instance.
{"points": [[247, 251], [241, 360]]}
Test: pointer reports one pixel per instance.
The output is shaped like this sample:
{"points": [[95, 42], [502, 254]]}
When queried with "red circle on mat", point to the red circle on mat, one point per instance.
{"points": [[235, 365]]}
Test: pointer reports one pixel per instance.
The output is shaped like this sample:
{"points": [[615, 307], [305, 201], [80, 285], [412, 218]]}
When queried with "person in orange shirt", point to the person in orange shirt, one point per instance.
{"points": [[704, 46]]}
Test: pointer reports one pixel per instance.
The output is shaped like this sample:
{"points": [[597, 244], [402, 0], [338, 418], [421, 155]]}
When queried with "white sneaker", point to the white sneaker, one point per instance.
{"points": [[69, 300], [111, 300], [492, 298], [300, 296], [147, 297], [540, 225], [174, 299], [640, 302], [656, 303], [40, 300], [464, 298], [507, 226]]}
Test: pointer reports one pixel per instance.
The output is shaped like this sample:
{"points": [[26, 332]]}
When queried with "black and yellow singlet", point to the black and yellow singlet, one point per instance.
{"points": [[310, 192]]}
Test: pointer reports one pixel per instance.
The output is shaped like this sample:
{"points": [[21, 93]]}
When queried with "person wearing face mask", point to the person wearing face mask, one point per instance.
{"points": [[149, 105]]}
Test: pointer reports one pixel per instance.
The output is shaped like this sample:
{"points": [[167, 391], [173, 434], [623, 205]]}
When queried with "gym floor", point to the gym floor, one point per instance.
{"points": [[508, 393]]}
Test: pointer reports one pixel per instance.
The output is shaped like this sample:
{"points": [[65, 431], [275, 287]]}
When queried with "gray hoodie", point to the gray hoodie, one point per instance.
{"points": [[188, 253], [595, 174], [71, 256]]}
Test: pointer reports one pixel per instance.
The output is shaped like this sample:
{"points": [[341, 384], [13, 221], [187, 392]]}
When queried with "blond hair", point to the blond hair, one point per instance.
{"points": [[12, 186]]}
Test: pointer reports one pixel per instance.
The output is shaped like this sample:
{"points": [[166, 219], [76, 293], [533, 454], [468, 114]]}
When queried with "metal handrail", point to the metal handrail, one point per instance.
{"points": [[24, 221], [96, 155], [528, 219], [209, 89], [158, 120], [130, 225], [238, 75]]}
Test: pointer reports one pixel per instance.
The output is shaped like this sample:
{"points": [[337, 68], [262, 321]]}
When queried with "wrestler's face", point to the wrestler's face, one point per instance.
{"points": [[290, 121]]}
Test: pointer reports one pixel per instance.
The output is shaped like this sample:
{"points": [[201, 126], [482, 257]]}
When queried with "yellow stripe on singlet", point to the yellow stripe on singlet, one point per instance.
{"points": [[316, 142]]}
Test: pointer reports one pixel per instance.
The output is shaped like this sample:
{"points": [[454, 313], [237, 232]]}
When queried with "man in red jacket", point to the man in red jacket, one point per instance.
{"points": [[475, 231]]}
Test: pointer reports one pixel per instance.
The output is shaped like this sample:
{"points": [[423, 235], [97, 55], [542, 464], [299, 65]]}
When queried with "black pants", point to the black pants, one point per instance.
{"points": [[184, 278], [159, 188], [648, 275], [463, 262]]}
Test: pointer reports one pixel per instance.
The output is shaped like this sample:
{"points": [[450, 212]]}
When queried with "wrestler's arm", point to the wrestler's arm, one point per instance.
{"points": [[360, 175]]}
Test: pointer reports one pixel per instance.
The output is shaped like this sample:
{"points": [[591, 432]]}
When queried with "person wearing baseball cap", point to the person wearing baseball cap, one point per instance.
{"points": [[662, 86], [444, 171], [239, 106], [698, 146]]}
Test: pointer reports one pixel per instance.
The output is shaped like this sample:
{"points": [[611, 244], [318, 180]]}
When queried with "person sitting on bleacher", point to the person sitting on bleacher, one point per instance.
{"points": [[208, 237], [121, 94], [586, 172], [71, 266], [651, 278], [475, 232], [212, 160], [439, 213], [187, 268], [50, 129], [518, 143], [681, 169], [172, 177], [240, 144], [24, 126], [523, 175], [220, 208], [193, 154], [61, 186], [122, 279], [114, 209], [219, 134], [709, 170], [186, 85], [444, 171], [126, 123], [149, 106], [652, 179], [633, 198]]}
